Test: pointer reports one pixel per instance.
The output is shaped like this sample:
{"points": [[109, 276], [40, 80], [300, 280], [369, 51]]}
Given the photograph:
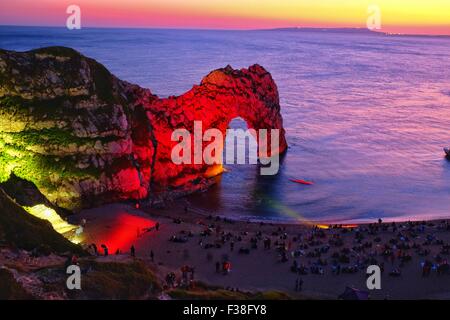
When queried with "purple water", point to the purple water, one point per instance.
{"points": [[366, 115]]}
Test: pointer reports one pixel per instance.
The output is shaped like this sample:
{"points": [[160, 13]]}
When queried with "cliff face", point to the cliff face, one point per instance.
{"points": [[84, 137]]}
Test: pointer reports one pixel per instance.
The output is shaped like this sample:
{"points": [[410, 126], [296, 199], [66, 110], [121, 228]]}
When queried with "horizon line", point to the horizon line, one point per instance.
{"points": [[375, 32]]}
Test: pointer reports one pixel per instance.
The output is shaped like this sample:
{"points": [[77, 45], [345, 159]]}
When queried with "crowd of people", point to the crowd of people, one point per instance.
{"points": [[337, 249], [314, 251]]}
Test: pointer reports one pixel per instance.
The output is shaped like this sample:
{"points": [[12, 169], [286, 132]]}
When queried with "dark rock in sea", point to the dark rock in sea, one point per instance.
{"points": [[84, 137]]}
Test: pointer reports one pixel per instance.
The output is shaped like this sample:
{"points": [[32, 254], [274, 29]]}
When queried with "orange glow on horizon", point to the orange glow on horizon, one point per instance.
{"points": [[414, 16]]}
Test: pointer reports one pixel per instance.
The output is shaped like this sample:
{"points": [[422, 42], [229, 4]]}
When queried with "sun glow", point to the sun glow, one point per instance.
{"points": [[414, 16]]}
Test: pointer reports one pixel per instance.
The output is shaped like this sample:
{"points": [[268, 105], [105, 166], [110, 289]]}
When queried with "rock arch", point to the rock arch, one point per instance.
{"points": [[223, 95], [85, 137]]}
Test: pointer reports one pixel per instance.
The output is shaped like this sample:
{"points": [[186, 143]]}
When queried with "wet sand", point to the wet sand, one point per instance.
{"points": [[119, 226]]}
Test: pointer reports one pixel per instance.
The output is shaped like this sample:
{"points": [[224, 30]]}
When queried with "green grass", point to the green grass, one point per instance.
{"points": [[57, 51], [42, 170], [112, 280], [18, 106], [51, 136]]}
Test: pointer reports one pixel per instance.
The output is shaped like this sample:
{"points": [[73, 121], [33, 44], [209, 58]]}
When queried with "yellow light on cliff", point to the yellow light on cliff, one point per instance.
{"points": [[213, 170], [45, 213]]}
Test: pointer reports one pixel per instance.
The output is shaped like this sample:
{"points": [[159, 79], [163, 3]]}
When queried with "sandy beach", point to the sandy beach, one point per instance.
{"points": [[327, 259]]}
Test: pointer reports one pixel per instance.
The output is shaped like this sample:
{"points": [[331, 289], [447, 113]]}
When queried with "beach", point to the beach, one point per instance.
{"points": [[185, 237]]}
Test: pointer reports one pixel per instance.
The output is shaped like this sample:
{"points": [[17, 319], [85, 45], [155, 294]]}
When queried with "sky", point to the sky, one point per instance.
{"points": [[397, 16]]}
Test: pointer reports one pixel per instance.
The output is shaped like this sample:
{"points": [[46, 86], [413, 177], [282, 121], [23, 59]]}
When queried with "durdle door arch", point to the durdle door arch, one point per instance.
{"points": [[85, 137]]}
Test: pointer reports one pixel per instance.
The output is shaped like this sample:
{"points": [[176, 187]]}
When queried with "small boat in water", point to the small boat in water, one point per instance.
{"points": [[447, 153]]}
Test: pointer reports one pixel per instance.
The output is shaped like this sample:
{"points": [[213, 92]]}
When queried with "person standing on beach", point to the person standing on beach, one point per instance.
{"points": [[152, 256], [298, 284], [105, 250], [133, 251]]}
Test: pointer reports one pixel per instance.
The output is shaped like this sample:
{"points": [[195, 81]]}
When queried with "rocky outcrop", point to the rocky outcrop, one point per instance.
{"points": [[84, 137], [21, 230]]}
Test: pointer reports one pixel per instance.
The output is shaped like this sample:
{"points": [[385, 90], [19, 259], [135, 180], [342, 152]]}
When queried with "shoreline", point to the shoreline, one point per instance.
{"points": [[181, 196], [199, 241], [178, 204]]}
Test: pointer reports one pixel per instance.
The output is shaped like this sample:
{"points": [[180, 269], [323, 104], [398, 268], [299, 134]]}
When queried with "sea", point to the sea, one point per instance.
{"points": [[366, 115]]}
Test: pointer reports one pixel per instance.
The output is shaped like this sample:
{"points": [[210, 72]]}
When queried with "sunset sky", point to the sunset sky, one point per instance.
{"points": [[402, 16]]}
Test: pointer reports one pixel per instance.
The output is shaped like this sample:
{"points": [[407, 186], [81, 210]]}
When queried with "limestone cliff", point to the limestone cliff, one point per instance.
{"points": [[85, 137]]}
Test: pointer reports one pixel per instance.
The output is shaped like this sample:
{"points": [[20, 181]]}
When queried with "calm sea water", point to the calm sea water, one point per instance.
{"points": [[366, 116]]}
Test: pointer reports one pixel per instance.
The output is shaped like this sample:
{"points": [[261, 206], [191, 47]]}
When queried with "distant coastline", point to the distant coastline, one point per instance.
{"points": [[349, 30], [364, 31]]}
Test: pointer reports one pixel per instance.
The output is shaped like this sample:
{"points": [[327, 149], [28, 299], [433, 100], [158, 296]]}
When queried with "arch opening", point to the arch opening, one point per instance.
{"points": [[240, 143]]}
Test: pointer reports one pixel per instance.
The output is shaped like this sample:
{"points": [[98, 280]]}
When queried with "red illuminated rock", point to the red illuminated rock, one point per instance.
{"points": [[84, 137]]}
